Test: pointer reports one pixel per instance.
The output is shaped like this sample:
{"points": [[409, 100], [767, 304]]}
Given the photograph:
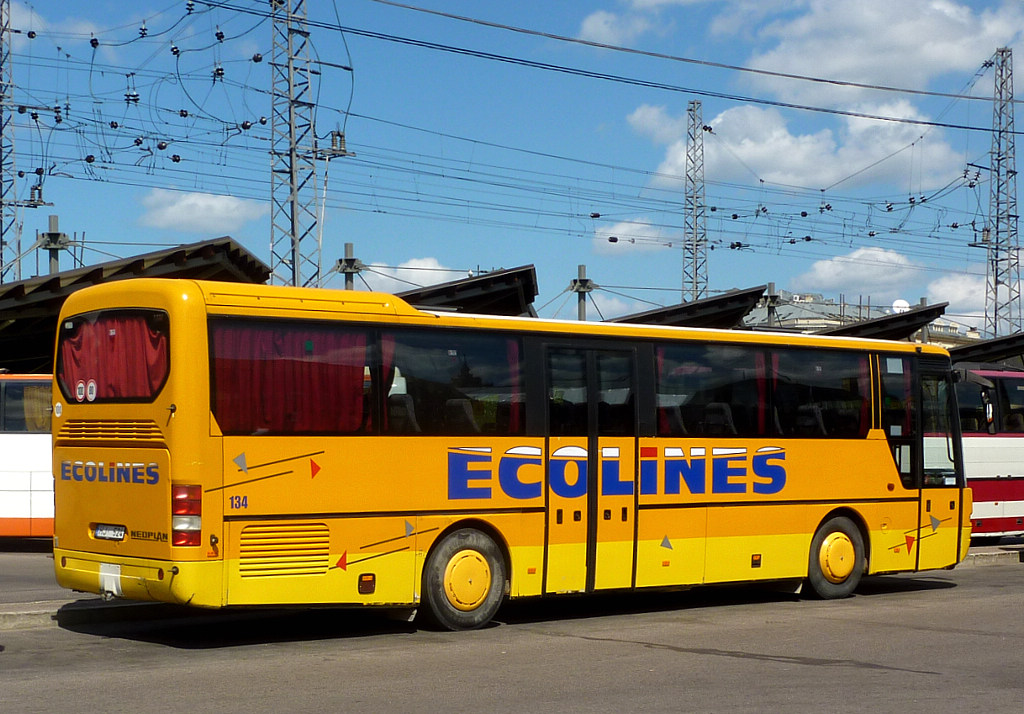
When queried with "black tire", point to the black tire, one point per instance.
{"points": [[836, 560], [464, 581]]}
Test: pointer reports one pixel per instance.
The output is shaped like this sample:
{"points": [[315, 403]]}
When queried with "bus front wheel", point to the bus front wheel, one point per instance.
{"points": [[836, 559], [463, 581]]}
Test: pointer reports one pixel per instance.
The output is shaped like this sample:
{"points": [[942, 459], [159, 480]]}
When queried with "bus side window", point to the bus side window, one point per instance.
{"points": [[26, 407], [271, 377], [13, 414], [616, 402], [712, 390], [1011, 405], [821, 394], [567, 393], [1013, 423], [679, 372], [899, 413], [970, 399], [457, 384]]}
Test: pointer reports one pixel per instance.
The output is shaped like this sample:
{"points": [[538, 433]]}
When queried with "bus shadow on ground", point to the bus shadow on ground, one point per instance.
{"points": [[189, 628], [906, 583], [575, 607], [26, 545], [612, 604]]}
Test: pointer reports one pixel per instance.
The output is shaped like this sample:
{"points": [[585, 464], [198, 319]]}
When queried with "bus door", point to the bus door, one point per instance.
{"points": [[918, 420], [942, 473], [591, 457]]}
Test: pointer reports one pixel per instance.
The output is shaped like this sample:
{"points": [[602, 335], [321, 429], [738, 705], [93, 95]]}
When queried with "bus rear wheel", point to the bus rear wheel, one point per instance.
{"points": [[836, 560], [463, 581]]}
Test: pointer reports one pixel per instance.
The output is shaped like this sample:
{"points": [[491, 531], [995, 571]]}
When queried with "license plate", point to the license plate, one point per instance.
{"points": [[106, 531]]}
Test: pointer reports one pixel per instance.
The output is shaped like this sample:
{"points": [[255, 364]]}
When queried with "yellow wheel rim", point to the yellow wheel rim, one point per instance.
{"points": [[467, 580], [837, 557]]}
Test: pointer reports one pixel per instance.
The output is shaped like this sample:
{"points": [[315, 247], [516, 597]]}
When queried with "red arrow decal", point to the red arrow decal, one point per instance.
{"points": [[343, 561], [314, 468], [910, 543]]}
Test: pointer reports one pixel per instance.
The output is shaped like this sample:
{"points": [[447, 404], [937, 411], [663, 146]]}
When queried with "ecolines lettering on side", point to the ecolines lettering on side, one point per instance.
{"points": [[725, 470], [113, 472]]}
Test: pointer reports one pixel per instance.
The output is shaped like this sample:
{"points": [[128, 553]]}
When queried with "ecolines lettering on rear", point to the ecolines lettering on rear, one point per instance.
{"points": [[520, 475], [112, 472]]}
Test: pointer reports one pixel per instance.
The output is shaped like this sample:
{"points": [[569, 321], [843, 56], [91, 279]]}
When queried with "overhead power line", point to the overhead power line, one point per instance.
{"points": [[484, 190], [591, 74], [676, 58]]}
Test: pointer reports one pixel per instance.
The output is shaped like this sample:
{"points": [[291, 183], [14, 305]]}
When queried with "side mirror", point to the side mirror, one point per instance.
{"points": [[989, 412]]}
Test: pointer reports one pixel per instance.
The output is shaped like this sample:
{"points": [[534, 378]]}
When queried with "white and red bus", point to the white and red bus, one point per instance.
{"points": [[991, 402], [26, 478]]}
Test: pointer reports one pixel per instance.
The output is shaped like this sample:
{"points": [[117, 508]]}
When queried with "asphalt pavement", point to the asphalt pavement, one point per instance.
{"points": [[30, 596]]}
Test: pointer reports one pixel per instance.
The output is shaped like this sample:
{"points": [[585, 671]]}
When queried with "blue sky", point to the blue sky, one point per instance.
{"points": [[480, 146]]}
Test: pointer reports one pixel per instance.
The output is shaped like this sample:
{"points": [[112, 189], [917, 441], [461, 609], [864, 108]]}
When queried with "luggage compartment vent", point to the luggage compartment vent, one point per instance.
{"points": [[273, 550]]}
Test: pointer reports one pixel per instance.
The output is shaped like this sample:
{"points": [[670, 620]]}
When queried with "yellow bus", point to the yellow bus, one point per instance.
{"points": [[219, 444]]}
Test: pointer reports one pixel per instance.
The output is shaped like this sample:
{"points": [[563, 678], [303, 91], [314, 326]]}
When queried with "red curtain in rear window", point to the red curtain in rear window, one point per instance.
{"points": [[117, 356], [287, 379]]}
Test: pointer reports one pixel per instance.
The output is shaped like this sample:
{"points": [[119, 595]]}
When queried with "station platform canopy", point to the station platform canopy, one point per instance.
{"points": [[1008, 350], [29, 308], [723, 311], [898, 326], [507, 292]]}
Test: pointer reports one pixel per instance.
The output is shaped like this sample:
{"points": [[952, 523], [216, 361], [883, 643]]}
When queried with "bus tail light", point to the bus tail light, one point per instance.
{"points": [[186, 514]]}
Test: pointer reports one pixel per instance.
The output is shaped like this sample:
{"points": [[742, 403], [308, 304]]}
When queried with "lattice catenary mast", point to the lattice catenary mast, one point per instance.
{"points": [[695, 243], [1002, 299], [10, 242], [294, 240]]}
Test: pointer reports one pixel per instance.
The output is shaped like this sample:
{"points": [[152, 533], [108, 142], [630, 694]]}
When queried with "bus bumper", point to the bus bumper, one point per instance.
{"points": [[181, 583]]}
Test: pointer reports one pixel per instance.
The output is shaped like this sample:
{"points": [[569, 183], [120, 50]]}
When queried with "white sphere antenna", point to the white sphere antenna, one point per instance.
{"points": [[899, 306]]}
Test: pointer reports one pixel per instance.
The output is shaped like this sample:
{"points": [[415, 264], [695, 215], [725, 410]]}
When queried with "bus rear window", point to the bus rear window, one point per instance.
{"points": [[113, 356]]}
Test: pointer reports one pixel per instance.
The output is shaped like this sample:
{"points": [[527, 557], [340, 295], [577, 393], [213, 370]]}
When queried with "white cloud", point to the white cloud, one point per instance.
{"points": [[601, 304], [641, 16], [903, 44], [638, 234], [868, 41], [740, 17], [964, 293], [25, 19], [199, 212], [611, 29], [751, 143], [655, 123], [412, 274], [880, 273]]}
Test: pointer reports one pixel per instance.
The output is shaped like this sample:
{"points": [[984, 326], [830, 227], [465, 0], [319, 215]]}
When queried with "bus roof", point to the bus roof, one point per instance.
{"points": [[223, 298], [998, 373]]}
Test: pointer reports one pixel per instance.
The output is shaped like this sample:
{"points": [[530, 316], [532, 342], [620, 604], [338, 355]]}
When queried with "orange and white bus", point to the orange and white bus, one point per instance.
{"points": [[221, 445], [26, 482]]}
